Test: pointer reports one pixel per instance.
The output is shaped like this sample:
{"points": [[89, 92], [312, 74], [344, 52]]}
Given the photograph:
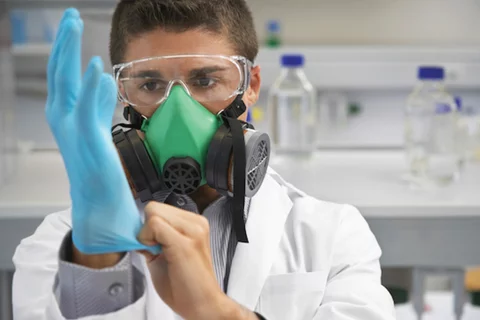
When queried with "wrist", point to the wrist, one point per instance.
{"points": [[70, 253], [95, 261]]}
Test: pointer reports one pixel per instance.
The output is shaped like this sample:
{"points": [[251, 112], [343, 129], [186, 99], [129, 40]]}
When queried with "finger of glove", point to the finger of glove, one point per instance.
{"points": [[85, 112], [106, 101], [62, 34], [68, 70]]}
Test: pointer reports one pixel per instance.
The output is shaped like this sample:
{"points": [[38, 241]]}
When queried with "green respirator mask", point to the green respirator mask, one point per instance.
{"points": [[185, 147]]}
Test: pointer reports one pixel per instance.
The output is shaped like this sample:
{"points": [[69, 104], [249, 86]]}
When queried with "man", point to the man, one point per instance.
{"points": [[183, 68]]}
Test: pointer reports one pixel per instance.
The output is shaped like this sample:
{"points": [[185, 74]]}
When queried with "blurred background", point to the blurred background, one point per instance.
{"points": [[348, 71]]}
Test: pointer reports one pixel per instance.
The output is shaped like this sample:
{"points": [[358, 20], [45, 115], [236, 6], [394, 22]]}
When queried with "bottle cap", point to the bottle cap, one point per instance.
{"points": [[293, 60], [431, 73], [273, 26]]}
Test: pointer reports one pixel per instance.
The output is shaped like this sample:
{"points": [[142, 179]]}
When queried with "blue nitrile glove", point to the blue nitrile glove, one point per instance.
{"points": [[105, 218]]}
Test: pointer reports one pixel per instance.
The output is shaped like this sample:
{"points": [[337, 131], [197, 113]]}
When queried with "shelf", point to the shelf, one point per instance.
{"points": [[374, 53], [33, 49], [374, 67], [30, 63], [36, 87]]}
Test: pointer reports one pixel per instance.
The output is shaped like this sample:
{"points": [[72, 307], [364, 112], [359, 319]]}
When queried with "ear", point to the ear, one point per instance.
{"points": [[253, 91]]}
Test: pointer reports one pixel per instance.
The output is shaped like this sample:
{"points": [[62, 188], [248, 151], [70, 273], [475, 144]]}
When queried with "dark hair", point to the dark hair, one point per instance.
{"points": [[229, 17]]}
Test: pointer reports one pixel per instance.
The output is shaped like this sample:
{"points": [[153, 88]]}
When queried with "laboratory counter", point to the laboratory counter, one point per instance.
{"points": [[411, 225]]}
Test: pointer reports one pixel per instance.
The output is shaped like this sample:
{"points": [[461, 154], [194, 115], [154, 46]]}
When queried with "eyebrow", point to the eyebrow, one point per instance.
{"points": [[147, 74], [206, 70], [193, 73]]}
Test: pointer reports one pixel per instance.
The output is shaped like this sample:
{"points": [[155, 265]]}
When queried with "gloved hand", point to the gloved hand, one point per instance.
{"points": [[79, 111]]}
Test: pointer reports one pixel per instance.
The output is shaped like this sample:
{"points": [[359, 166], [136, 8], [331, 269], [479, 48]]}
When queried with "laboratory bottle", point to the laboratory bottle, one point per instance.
{"points": [[291, 109], [463, 138], [273, 39], [18, 21], [431, 131], [469, 131]]}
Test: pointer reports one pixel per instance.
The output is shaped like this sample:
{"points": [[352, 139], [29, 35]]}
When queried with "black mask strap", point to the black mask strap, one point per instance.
{"points": [[235, 109], [136, 119], [239, 167]]}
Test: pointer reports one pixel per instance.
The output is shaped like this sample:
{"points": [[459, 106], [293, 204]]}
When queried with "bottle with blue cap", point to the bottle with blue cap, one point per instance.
{"points": [[273, 34], [463, 143], [291, 108], [431, 131]]}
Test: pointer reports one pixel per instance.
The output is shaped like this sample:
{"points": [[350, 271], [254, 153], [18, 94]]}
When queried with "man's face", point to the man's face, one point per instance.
{"points": [[161, 43]]}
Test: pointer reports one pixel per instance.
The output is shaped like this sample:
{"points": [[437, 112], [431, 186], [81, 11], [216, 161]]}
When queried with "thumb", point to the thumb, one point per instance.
{"points": [[106, 100]]}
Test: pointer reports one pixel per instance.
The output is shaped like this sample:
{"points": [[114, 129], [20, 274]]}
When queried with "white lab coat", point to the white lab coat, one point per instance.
{"points": [[307, 259]]}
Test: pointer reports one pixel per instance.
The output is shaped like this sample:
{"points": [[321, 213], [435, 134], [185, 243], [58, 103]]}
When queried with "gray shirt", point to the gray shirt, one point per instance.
{"points": [[83, 292]]}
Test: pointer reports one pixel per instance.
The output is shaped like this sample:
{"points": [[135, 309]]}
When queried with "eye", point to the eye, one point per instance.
{"points": [[204, 82], [152, 86]]}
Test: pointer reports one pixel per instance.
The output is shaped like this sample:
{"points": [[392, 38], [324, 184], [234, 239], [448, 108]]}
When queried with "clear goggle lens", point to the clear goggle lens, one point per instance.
{"points": [[209, 79]]}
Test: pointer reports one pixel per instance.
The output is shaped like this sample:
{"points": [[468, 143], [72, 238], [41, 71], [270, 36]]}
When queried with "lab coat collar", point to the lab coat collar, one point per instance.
{"points": [[252, 261]]}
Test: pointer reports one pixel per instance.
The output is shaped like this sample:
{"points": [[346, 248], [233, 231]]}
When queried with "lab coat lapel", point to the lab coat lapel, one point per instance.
{"points": [[252, 261]]}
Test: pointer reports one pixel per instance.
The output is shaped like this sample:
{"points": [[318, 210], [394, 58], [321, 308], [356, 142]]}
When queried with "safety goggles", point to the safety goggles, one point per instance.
{"points": [[209, 79]]}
